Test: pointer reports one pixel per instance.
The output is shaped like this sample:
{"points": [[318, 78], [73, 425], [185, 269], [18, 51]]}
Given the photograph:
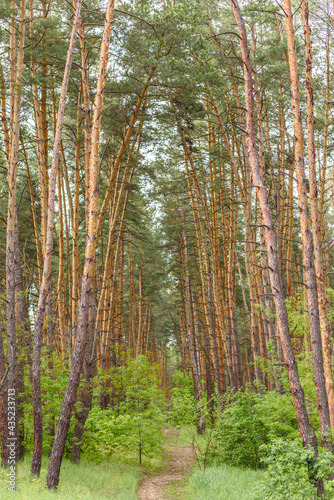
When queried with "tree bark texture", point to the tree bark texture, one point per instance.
{"points": [[306, 234], [89, 265], [45, 285], [297, 392]]}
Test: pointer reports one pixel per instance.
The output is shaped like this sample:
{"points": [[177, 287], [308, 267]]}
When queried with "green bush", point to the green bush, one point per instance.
{"points": [[135, 423], [105, 433], [183, 404], [248, 422], [289, 466]]}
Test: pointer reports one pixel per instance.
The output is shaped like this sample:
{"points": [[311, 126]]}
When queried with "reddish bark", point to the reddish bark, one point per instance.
{"points": [[297, 392], [45, 285]]}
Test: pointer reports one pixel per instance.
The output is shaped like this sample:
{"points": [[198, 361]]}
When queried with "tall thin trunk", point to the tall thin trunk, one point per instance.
{"points": [[23, 340], [211, 286], [45, 285], [61, 274], [246, 198], [3, 400], [86, 395], [194, 364], [184, 254], [316, 220], [40, 123], [34, 216], [75, 227], [297, 392], [306, 234], [12, 436], [89, 265]]}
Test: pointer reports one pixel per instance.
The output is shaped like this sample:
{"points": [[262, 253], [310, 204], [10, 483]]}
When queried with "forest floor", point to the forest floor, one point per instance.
{"points": [[115, 479], [169, 483]]}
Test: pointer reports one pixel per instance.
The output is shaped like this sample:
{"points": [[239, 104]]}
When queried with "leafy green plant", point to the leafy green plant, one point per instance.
{"points": [[106, 433], [289, 467], [182, 403], [248, 422], [298, 314], [184, 408], [202, 446], [135, 423]]}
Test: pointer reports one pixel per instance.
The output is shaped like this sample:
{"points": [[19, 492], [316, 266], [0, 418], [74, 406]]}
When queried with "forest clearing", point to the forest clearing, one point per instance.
{"points": [[167, 249]]}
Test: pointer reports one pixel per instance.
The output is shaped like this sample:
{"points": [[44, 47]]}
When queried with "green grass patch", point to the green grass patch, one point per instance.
{"points": [[116, 479], [222, 483]]}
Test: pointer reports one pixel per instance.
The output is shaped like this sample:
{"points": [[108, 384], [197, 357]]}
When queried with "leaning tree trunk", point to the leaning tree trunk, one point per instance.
{"points": [[46, 279], [316, 219], [306, 234], [89, 265], [297, 392]]}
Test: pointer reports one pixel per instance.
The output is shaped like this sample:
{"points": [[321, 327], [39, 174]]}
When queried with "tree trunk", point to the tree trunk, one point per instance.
{"points": [[12, 436], [308, 437], [316, 219], [24, 340], [3, 400], [45, 285], [86, 395], [307, 242], [89, 265]]}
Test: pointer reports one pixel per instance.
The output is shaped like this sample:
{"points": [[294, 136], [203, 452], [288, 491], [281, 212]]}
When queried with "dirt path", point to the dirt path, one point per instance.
{"points": [[180, 460]]}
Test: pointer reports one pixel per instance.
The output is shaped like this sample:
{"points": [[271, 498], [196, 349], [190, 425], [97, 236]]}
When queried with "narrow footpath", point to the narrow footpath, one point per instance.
{"points": [[167, 485]]}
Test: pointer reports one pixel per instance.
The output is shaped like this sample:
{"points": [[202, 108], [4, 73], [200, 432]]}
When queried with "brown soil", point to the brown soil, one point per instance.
{"points": [[179, 460]]}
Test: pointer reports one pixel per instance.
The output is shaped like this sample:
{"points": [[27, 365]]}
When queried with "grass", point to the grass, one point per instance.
{"points": [[118, 479], [222, 483], [114, 479]]}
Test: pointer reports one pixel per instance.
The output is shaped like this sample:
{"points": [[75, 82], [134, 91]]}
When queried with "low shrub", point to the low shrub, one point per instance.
{"points": [[105, 433], [135, 423], [248, 422], [289, 466], [182, 402]]}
